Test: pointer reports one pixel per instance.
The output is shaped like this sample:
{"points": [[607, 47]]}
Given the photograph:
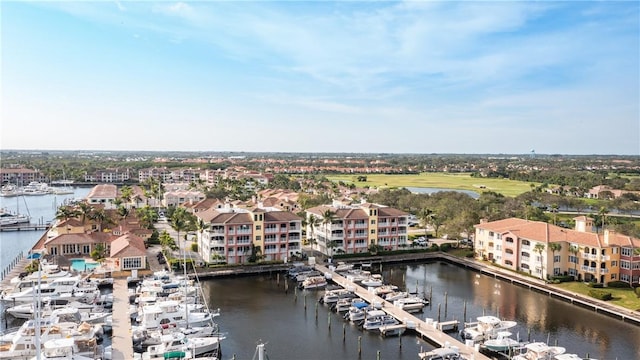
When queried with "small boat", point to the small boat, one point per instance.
{"points": [[540, 351], [385, 289], [376, 322], [411, 303], [374, 280], [314, 282], [487, 327], [393, 296], [392, 330], [332, 296], [8, 218], [344, 304], [60, 349], [445, 353], [502, 343]]}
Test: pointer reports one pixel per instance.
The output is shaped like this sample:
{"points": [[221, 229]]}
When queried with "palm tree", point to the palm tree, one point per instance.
{"points": [[313, 223], [602, 212], [426, 216], [554, 210], [574, 251], [555, 247], [123, 211], [100, 217], [200, 226], [328, 217], [539, 248], [84, 210], [65, 213]]}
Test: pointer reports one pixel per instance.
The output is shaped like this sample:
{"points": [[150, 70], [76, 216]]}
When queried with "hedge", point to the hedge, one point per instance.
{"points": [[600, 294], [561, 278], [618, 284], [596, 285]]}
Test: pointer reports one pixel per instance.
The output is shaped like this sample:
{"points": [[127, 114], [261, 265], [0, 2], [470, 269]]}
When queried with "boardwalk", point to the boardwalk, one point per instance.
{"points": [[426, 331], [121, 341]]}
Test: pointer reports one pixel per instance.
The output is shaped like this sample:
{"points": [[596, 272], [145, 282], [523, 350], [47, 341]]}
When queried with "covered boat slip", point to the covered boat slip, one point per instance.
{"points": [[426, 331]]}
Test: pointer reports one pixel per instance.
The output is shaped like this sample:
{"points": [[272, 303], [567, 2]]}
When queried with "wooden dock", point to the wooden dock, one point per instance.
{"points": [[428, 332], [25, 227]]}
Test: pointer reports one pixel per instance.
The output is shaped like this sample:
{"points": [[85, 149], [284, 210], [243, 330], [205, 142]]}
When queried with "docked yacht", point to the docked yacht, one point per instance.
{"points": [[411, 304], [8, 218], [314, 282], [172, 312], [61, 349], [502, 343], [444, 353], [177, 341], [375, 322], [540, 351], [487, 327]]}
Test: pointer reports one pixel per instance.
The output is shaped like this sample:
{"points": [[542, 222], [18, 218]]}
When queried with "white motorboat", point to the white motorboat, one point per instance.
{"points": [[411, 304], [358, 312], [314, 282], [385, 289], [540, 351], [502, 343], [88, 312], [61, 349], [172, 312], [332, 296], [177, 341], [8, 218], [344, 304], [570, 357], [61, 288], [392, 330], [487, 327], [302, 276], [375, 322], [395, 295], [374, 280], [445, 353]]}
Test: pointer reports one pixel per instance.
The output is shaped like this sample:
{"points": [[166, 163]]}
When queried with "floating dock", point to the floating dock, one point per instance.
{"points": [[428, 332]]}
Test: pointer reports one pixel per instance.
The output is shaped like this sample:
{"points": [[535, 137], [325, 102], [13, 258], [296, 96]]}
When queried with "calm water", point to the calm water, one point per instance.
{"points": [[424, 190], [42, 209], [257, 309]]}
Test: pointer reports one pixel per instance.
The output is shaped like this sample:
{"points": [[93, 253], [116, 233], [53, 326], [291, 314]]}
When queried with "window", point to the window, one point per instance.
{"points": [[131, 263], [509, 251], [86, 249], [508, 262], [258, 238], [614, 264], [625, 264], [525, 266], [526, 242], [509, 239], [557, 271], [373, 231], [573, 259], [258, 227], [490, 233], [613, 276], [525, 254], [625, 277], [556, 258], [373, 222], [626, 251]]}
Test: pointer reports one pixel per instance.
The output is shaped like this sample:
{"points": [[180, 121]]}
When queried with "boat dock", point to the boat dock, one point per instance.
{"points": [[121, 340], [25, 227], [428, 332]]}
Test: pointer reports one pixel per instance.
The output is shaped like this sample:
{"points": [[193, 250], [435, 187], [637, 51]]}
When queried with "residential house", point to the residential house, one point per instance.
{"points": [[104, 194], [354, 228], [233, 235], [545, 250]]}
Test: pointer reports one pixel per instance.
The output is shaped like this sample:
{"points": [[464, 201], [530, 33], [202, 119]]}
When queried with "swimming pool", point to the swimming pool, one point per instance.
{"points": [[83, 265]]}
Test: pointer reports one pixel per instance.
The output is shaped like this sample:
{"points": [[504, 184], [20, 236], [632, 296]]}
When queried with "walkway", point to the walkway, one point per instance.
{"points": [[121, 340], [427, 331]]}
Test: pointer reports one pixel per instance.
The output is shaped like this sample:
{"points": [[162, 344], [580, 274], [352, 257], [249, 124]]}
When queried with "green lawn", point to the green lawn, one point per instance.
{"points": [[625, 298], [459, 181]]}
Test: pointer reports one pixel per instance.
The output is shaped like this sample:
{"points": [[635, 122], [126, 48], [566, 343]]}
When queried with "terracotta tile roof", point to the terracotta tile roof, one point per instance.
{"points": [[79, 238], [229, 218], [127, 245], [280, 216], [544, 232], [103, 191], [389, 211]]}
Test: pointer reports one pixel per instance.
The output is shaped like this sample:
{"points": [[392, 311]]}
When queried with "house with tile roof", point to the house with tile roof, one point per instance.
{"points": [[354, 228], [104, 194], [546, 250], [234, 234]]}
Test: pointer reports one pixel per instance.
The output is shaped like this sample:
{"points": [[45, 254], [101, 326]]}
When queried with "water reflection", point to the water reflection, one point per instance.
{"points": [[258, 308]]}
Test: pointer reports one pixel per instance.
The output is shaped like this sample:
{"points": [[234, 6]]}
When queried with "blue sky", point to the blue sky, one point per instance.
{"points": [[399, 77]]}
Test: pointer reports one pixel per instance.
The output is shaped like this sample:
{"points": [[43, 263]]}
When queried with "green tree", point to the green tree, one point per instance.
{"points": [[99, 252], [328, 216], [573, 250]]}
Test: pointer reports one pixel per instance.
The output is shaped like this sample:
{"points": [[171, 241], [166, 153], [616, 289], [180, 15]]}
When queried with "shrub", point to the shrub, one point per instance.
{"points": [[596, 285], [600, 295], [637, 292], [561, 278], [618, 284], [445, 247]]}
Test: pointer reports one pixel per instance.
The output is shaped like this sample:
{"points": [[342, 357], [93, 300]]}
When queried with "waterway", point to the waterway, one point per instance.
{"points": [[257, 309], [42, 209], [428, 190]]}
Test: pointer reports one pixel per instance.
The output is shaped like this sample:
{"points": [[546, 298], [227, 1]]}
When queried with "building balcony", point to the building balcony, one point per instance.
{"points": [[605, 257], [525, 247], [591, 256], [271, 230], [604, 270], [588, 269]]}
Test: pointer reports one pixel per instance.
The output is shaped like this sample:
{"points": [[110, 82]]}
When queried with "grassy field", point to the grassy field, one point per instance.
{"points": [[459, 181], [621, 297]]}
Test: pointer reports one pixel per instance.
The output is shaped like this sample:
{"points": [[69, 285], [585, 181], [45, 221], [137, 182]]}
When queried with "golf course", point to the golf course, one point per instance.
{"points": [[457, 181]]}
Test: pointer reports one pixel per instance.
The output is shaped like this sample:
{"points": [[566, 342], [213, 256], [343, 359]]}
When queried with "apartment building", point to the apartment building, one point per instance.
{"points": [[108, 176], [353, 228], [20, 176], [545, 250], [233, 235]]}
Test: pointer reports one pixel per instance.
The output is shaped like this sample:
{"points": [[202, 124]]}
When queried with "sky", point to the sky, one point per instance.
{"points": [[504, 77]]}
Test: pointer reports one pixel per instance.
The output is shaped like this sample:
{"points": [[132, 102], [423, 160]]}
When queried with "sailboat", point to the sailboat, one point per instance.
{"points": [[8, 218]]}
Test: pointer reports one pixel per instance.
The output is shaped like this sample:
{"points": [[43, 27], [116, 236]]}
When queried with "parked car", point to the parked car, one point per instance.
{"points": [[421, 241]]}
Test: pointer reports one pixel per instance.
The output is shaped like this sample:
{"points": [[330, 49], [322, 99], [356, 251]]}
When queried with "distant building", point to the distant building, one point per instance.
{"points": [[20, 176], [108, 176], [104, 194]]}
